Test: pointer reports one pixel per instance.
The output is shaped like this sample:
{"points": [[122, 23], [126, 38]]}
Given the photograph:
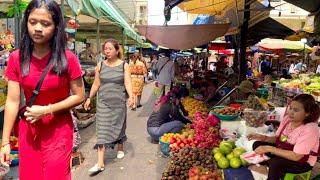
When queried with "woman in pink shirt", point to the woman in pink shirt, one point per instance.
{"points": [[46, 130], [295, 147]]}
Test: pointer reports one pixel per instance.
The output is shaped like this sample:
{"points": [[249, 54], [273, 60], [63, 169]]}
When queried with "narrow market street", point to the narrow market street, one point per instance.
{"points": [[143, 160]]}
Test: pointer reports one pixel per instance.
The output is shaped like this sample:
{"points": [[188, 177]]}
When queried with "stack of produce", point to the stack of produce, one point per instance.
{"points": [[3, 98], [306, 83], [256, 111], [227, 154], [178, 141], [206, 135], [192, 106], [226, 111], [198, 172], [257, 104], [181, 161], [202, 133]]}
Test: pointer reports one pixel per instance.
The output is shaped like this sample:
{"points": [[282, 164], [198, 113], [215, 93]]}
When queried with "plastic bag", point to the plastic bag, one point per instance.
{"points": [[254, 158]]}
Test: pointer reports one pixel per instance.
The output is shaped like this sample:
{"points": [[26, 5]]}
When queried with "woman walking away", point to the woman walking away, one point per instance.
{"points": [[138, 70], [112, 81], [46, 130]]}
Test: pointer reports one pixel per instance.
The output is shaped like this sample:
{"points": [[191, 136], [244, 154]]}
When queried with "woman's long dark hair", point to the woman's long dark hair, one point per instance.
{"points": [[57, 43], [310, 106]]}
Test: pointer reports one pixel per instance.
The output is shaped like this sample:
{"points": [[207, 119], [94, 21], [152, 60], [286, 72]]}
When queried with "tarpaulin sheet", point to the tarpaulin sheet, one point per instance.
{"points": [[181, 37]]}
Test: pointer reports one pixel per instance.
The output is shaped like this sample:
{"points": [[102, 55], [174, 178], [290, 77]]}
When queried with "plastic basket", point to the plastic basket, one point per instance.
{"points": [[14, 162], [223, 117], [262, 92], [165, 148]]}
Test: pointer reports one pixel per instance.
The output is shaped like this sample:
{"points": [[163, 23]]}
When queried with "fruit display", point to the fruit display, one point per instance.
{"points": [[192, 106], [206, 135], [305, 82], [255, 118], [198, 172], [184, 139], [226, 110], [181, 161], [166, 137], [228, 155]]}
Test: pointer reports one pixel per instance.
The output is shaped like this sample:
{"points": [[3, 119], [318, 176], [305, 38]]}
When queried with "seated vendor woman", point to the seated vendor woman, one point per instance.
{"points": [[295, 147], [168, 119]]}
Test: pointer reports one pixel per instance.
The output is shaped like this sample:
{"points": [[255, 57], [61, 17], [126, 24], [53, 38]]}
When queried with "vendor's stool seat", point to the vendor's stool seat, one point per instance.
{"points": [[303, 176], [76, 157]]}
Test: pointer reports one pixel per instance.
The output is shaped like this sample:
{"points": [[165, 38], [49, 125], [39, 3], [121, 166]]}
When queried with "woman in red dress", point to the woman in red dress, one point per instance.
{"points": [[45, 133]]}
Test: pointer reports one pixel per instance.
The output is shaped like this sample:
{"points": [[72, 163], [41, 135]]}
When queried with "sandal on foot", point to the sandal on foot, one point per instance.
{"points": [[120, 154], [95, 170]]}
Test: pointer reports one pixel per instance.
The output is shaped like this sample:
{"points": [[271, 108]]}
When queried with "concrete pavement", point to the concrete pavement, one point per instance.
{"points": [[142, 161]]}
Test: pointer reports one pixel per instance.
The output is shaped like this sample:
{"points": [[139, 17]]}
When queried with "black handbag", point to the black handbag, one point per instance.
{"points": [[35, 92]]}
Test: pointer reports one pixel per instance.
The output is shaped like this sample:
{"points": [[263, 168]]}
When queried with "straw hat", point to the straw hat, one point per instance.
{"points": [[246, 86]]}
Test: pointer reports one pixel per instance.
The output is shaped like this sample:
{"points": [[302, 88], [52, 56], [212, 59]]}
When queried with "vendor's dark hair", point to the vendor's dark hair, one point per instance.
{"points": [[57, 43], [310, 106]]}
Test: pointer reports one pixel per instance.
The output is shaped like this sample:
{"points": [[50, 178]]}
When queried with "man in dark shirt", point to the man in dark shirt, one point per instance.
{"points": [[167, 119]]}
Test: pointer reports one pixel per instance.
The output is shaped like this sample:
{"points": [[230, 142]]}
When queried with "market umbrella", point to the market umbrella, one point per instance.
{"points": [[283, 45], [182, 37]]}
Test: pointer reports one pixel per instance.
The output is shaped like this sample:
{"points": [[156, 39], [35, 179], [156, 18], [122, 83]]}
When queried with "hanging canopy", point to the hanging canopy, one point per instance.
{"points": [[267, 28], [308, 5], [283, 45], [182, 37], [206, 6], [103, 9]]}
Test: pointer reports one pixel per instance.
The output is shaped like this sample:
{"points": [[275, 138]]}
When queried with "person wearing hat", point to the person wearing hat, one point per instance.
{"points": [[246, 87], [168, 118], [244, 90]]}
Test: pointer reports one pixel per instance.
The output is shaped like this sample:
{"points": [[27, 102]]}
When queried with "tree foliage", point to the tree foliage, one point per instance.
{"points": [[19, 8]]}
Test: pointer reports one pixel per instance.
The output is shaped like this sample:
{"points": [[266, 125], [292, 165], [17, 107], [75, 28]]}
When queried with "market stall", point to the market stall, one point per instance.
{"points": [[215, 144]]}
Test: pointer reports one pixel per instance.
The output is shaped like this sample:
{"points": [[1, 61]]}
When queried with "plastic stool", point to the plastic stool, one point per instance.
{"points": [[304, 176]]}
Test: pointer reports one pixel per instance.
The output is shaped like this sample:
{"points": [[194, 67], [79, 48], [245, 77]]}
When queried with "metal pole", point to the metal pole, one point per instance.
{"points": [[225, 97], [62, 7], [98, 37], [243, 43], [304, 52], [75, 44], [16, 25]]}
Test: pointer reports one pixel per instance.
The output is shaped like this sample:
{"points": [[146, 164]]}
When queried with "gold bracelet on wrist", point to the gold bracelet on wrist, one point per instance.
{"points": [[48, 110]]}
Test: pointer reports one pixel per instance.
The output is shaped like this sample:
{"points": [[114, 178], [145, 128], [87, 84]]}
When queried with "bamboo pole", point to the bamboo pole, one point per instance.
{"points": [[98, 37]]}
